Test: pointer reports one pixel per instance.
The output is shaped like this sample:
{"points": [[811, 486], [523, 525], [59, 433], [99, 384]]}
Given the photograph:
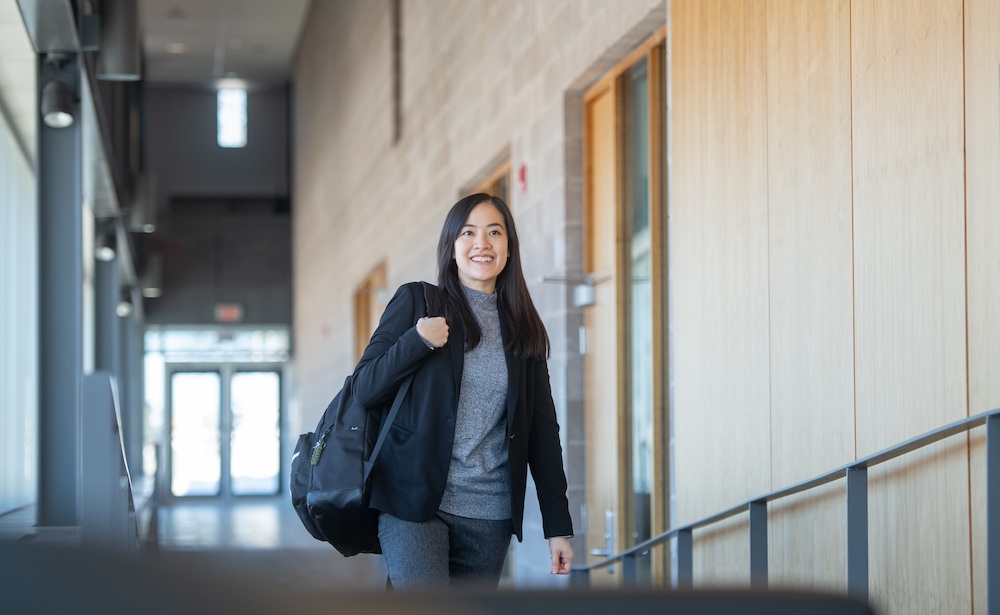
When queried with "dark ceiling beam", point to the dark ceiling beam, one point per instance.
{"points": [[51, 25]]}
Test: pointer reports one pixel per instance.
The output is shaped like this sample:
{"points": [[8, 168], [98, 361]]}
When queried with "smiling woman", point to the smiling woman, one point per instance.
{"points": [[450, 482], [481, 248]]}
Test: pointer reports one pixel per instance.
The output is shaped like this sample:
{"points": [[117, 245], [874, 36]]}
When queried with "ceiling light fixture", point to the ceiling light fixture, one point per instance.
{"points": [[120, 53], [57, 104]]}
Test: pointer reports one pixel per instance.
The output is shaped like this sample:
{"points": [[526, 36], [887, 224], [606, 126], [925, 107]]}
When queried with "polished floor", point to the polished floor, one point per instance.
{"points": [[258, 540]]}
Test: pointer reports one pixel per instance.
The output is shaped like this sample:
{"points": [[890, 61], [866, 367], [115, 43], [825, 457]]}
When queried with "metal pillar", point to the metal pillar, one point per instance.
{"points": [[60, 268], [993, 515], [685, 559], [630, 572], [579, 578], [758, 544], [857, 532]]}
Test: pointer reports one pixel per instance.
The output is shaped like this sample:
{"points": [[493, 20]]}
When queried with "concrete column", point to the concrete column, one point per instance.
{"points": [[60, 240]]}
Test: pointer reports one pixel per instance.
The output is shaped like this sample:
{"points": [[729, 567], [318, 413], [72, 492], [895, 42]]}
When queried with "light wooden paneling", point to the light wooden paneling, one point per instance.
{"points": [[604, 479], [807, 539], [909, 271], [982, 133], [718, 254], [810, 243], [811, 308], [722, 553], [918, 549]]}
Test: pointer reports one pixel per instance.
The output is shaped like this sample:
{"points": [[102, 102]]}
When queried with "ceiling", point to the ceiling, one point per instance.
{"points": [[18, 68], [203, 41]]}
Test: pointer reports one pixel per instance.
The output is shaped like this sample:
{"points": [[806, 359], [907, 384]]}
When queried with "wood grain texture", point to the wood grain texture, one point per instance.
{"points": [[718, 240], [918, 524], [602, 364], [722, 554], [909, 270], [982, 133], [810, 282], [908, 217], [810, 237], [807, 539]]}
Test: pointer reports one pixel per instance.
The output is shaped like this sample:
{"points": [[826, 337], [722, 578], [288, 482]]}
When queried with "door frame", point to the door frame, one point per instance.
{"points": [[653, 50]]}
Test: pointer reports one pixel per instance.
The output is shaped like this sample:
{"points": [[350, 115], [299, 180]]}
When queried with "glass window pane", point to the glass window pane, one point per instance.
{"points": [[196, 458], [640, 297], [255, 439]]}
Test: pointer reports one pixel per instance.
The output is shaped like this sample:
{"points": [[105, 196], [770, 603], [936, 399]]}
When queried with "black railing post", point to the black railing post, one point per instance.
{"points": [[857, 531], [993, 514], [630, 575], [685, 559], [758, 543], [579, 578]]}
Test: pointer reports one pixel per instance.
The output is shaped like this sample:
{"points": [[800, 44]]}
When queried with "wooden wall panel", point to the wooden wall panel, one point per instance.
{"points": [[810, 243], [918, 558], [722, 554], [982, 133], [810, 256], [909, 269], [807, 539], [718, 251]]}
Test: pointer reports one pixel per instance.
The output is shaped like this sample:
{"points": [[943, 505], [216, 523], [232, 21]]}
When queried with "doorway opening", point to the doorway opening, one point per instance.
{"points": [[214, 410]]}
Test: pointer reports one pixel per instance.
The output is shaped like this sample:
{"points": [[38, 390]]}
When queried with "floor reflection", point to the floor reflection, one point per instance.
{"points": [[258, 540]]}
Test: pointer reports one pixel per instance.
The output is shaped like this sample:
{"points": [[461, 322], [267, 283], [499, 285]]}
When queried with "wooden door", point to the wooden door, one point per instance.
{"points": [[605, 468]]}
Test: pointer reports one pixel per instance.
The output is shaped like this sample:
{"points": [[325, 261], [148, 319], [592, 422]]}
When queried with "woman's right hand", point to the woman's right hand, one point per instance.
{"points": [[434, 330]]}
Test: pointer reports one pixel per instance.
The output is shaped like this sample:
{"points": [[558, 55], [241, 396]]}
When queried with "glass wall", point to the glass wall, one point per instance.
{"points": [[18, 301]]}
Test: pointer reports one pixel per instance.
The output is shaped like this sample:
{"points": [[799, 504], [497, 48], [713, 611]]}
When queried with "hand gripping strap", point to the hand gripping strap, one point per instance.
{"points": [[396, 403]]}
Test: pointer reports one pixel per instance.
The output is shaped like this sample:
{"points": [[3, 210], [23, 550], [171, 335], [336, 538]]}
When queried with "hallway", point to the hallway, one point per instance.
{"points": [[259, 540]]}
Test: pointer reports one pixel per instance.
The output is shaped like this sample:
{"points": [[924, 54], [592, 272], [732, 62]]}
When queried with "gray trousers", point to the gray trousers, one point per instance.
{"points": [[446, 551]]}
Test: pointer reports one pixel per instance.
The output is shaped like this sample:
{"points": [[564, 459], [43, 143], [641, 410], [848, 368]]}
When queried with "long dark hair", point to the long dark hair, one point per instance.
{"points": [[528, 339]]}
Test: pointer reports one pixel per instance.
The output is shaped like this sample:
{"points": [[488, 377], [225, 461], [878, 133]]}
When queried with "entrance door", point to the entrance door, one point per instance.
{"points": [[225, 430]]}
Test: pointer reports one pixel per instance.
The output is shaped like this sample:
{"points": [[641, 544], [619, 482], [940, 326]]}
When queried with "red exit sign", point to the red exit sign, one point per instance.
{"points": [[228, 312]]}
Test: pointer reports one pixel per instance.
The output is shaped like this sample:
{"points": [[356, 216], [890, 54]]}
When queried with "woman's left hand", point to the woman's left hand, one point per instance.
{"points": [[562, 555]]}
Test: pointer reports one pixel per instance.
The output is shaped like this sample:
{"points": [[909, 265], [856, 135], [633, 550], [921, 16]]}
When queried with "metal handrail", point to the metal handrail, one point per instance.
{"points": [[856, 473]]}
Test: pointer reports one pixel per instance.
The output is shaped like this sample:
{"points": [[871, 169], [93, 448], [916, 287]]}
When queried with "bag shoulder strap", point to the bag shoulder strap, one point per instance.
{"points": [[429, 301]]}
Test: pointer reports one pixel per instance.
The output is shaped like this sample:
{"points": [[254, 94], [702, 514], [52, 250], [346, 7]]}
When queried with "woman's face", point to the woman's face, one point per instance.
{"points": [[481, 248]]}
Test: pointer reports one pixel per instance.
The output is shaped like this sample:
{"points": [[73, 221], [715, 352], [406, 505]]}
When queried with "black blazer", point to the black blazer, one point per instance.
{"points": [[409, 476]]}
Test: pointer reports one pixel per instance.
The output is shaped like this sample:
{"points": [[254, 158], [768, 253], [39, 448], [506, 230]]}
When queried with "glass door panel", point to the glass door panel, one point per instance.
{"points": [[195, 443], [639, 297], [255, 399]]}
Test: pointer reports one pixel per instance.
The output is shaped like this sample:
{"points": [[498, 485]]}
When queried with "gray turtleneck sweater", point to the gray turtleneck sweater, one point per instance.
{"points": [[478, 484]]}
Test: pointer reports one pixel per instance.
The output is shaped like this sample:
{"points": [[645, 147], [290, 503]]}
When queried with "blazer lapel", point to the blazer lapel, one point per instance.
{"points": [[456, 342], [513, 376]]}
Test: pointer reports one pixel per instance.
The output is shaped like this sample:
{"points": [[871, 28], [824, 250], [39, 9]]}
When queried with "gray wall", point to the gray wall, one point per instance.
{"points": [[223, 224]]}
